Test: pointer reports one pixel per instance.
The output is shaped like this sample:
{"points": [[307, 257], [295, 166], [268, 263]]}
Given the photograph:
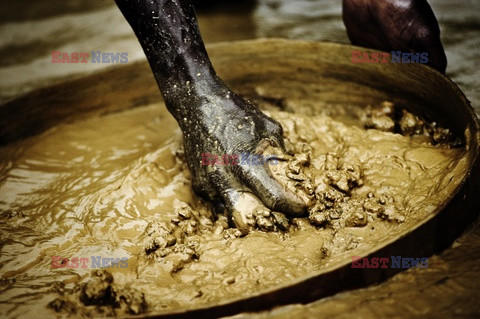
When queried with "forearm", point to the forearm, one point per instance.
{"points": [[169, 35]]}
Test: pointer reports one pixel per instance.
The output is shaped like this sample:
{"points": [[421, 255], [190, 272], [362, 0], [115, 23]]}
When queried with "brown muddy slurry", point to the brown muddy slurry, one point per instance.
{"points": [[98, 216]]}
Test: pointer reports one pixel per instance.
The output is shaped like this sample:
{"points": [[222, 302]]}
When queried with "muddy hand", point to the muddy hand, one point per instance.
{"points": [[223, 137], [214, 120], [395, 25]]}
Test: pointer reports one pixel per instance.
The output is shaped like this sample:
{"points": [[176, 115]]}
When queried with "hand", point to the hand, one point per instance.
{"points": [[395, 25], [223, 123]]}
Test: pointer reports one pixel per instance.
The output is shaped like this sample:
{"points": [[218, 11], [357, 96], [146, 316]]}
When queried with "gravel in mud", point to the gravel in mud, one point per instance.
{"points": [[130, 196]]}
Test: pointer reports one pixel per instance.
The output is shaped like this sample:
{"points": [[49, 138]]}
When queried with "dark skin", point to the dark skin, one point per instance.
{"points": [[215, 120], [395, 25]]}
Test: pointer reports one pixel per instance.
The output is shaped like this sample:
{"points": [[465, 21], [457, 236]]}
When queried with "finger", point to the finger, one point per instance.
{"points": [[227, 192], [273, 193], [248, 212], [241, 206]]}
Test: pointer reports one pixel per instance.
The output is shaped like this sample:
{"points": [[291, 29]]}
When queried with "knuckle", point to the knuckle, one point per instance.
{"points": [[271, 198], [203, 188], [197, 187], [274, 127]]}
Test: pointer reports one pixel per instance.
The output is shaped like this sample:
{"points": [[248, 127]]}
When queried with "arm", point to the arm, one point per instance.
{"points": [[213, 119], [395, 25]]}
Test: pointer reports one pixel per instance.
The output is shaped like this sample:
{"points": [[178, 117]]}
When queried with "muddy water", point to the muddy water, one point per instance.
{"points": [[114, 192]]}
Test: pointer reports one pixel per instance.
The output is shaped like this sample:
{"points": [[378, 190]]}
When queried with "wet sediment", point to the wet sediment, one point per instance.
{"points": [[117, 187]]}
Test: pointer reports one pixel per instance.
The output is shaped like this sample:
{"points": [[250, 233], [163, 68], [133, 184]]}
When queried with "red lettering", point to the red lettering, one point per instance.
{"points": [[74, 57], [384, 262], [66, 58], [355, 262], [83, 57], [224, 160], [206, 159], [57, 262], [215, 160], [73, 263], [235, 159], [55, 57], [385, 57], [365, 58], [375, 57], [374, 262], [356, 58], [365, 263], [83, 262]]}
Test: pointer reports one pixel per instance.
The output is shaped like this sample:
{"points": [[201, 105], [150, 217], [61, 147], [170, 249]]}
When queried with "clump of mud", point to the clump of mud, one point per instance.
{"points": [[329, 183], [388, 117], [333, 183], [98, 296], [175, 243]]}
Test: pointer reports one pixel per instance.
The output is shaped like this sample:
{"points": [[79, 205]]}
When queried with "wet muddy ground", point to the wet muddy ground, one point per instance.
{"points": [[114, 193]]}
